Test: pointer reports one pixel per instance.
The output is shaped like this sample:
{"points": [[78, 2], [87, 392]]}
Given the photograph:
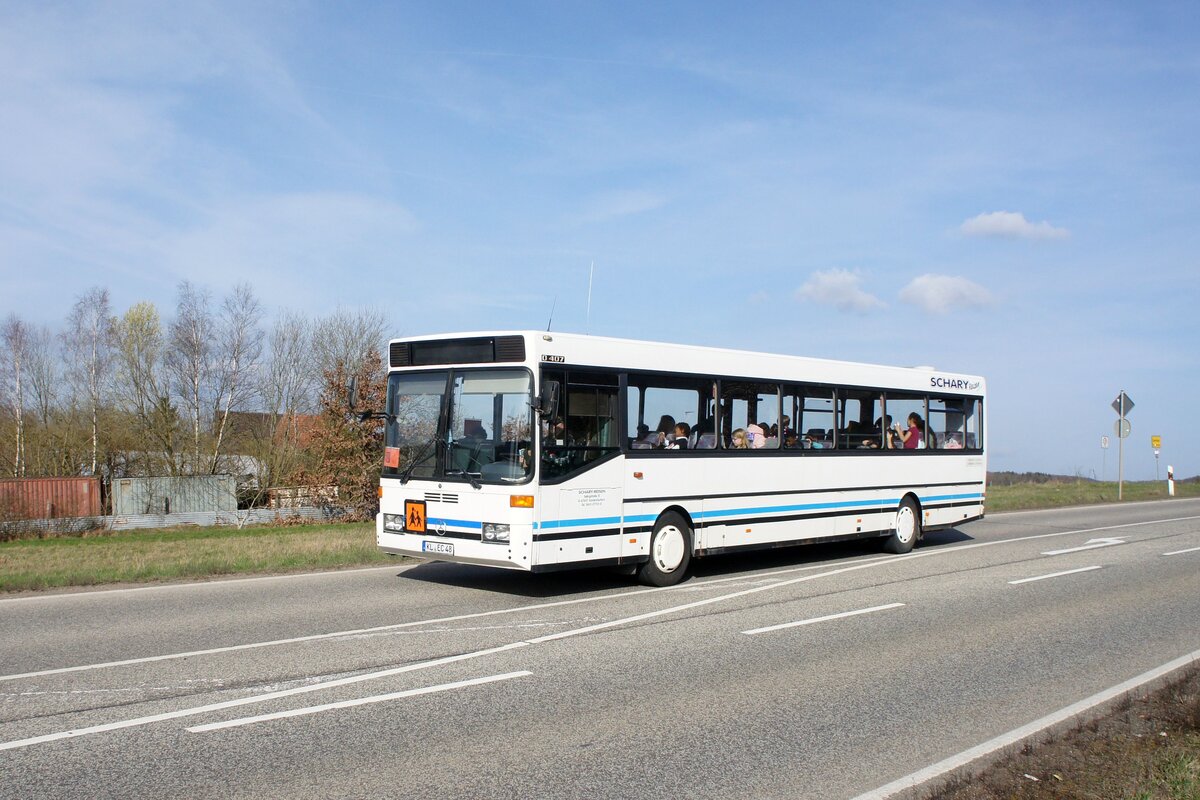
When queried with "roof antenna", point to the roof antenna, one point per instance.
{"points": [[551, 320], [588, 326]]}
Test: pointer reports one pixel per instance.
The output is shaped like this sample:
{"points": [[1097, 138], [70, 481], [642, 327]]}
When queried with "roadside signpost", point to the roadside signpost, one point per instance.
{"points": [[1156, 444], [1103, 458], [1122, 405]]}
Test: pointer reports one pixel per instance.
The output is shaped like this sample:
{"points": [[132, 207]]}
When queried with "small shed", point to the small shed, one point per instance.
{"points": [[174, 495]]}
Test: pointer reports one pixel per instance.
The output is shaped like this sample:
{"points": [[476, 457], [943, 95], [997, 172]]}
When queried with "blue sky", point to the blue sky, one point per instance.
{"points": [[1010, 191]]}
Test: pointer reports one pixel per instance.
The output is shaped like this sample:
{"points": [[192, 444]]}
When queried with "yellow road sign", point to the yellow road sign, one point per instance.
{"points": [[1156, 442]]}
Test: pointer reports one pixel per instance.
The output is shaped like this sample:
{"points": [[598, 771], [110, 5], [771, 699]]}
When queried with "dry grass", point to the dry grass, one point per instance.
{"points": [[1147, 749]]}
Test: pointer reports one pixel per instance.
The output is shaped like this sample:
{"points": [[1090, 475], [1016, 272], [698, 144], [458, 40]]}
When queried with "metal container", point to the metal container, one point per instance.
{"points": [[166, 495], [49, 498]]}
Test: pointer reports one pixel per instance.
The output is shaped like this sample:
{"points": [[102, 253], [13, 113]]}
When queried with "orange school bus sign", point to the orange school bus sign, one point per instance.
{"points": [[414, 516]]}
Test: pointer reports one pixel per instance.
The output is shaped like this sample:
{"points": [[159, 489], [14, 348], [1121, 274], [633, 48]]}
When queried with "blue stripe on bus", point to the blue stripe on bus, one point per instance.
{"points": [[889, 502], [571, 523]]}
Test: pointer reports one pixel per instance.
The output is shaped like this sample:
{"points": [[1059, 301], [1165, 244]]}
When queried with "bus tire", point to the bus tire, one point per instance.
{"points": [[670, 552], [905, 530]]}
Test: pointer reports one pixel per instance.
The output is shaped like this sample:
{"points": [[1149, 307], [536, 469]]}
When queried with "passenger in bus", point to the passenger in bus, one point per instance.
{"points": [[785, 427], [705, 434], [740, 441], [557, 432], [756, 436], [814, 439], [665, 431], [680, 442], [790, 441], [884, 426], [646, 438], [912, 437]]}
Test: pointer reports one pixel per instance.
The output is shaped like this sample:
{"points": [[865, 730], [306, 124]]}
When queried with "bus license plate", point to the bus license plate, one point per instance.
{"points": [[445, 548]]}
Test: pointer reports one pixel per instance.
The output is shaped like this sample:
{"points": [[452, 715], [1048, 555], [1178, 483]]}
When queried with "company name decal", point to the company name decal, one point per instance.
{"points": [[939, 382]]}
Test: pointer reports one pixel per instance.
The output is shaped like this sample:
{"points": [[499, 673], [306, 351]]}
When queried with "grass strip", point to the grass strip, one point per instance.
{"points": [[1055, 494], [183, 554]]}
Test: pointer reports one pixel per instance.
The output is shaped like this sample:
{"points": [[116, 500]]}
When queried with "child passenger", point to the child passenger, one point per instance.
{"points": [[680, 442]]}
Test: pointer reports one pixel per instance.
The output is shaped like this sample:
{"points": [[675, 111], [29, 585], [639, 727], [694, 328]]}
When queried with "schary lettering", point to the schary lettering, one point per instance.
{"points": [[952, 383]]}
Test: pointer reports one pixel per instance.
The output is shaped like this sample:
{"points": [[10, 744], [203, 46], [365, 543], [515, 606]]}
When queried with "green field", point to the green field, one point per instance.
{"points": [[200, 553]]}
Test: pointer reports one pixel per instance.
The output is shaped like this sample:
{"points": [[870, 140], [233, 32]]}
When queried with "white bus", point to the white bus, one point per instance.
{"points": [[545, 451]]}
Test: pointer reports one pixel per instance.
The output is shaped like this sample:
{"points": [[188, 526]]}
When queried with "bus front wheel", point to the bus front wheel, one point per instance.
{"points": [[670, 552], [906, 530]]}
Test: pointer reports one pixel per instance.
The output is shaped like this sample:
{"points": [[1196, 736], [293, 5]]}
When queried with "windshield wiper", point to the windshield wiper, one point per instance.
{"points": [[421, 456]]}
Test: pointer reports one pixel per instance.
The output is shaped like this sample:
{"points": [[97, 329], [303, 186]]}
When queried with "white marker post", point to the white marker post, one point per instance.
{"points": [[1170, 481]]}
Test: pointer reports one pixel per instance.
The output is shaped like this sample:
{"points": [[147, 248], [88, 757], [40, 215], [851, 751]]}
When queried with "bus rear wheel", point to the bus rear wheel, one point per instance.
{"points": [[670, 552], [906, 529]]}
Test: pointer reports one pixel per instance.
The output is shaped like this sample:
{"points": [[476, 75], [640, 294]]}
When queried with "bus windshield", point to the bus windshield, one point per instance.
{"points": [[473, 425]]}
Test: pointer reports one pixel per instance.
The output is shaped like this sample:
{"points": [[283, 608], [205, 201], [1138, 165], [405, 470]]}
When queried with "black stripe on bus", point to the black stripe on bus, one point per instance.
{"points": [[582, 534], [799, 491]]}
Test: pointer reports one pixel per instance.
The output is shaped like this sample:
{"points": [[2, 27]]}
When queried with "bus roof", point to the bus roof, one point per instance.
{"points": [[550, 347]]}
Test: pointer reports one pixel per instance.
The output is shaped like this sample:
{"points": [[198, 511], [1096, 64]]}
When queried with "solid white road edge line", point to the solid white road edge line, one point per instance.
{"points": [[825, 618], [362, 701], [1053, 575], [190, 712], [1018, 734], [871, 560], [1178, 552]]}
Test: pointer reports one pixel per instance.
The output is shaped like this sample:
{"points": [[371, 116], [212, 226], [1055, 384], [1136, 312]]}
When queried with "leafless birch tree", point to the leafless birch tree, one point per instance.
{"points": [[239, 349], [88, 347], [189, 358], [14, 337]]}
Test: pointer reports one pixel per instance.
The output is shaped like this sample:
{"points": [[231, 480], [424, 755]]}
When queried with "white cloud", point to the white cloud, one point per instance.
{"points": [[839, 288], [941, 294], [1011, 225]]}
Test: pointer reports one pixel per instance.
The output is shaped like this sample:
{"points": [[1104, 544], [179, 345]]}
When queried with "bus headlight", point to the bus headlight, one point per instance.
{"points": [[393, 522], [495, 532]]}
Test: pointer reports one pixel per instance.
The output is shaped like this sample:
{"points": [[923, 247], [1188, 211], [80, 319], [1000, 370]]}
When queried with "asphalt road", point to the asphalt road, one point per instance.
{"points": [[443, 681]]}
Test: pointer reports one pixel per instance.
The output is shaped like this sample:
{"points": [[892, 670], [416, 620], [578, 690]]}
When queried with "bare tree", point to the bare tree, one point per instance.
{"points": [[88, 348], [45, 374], [346, 339], [287, 388], [141, 385], [14, 337], [239, 349], [189, 358]]}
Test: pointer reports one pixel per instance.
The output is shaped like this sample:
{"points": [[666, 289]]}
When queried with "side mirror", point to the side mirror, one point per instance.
{"points": [[547, 401], [352, 392]]}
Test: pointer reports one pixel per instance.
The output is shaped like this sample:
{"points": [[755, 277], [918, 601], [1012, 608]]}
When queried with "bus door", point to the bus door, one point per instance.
{"points": [[588, 518]]}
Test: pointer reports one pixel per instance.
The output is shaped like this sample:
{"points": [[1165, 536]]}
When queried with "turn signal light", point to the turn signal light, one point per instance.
{"points": [[520, 501]]}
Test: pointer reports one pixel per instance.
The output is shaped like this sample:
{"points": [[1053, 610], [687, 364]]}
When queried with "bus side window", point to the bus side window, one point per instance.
{"points": [[657, 406]]}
